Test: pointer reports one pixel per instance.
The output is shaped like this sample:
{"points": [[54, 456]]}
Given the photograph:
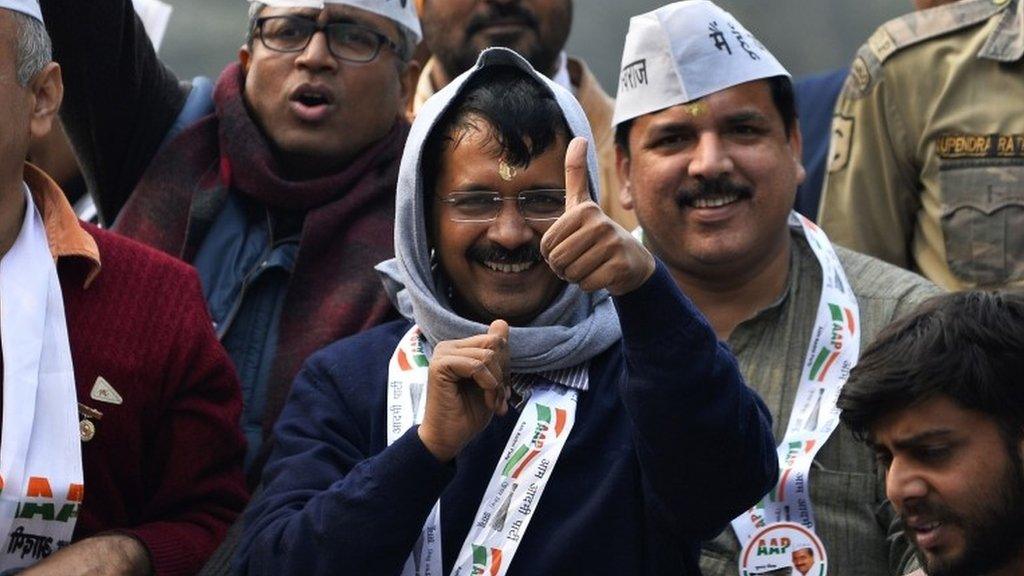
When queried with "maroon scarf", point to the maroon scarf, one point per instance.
{"points": [[334, 291]]}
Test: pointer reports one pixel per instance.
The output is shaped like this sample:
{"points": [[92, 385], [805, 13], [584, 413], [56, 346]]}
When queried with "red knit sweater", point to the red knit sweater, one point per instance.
{"points": [[164, 466]]}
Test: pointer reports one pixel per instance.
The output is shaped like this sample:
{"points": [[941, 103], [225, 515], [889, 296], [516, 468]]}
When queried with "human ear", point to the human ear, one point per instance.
{"points": [[47, 92]]}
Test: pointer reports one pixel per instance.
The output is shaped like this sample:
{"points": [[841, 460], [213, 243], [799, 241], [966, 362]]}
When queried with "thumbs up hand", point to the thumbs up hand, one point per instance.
{"points": [[586, 247]]}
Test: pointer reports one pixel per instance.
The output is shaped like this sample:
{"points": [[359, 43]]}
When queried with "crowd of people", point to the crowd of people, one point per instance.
{"points": [[405, 290]]}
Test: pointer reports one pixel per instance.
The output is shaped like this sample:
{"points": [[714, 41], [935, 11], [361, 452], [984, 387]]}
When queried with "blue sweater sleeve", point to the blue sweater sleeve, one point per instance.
{"points": [[328, 506], [703, 438]]}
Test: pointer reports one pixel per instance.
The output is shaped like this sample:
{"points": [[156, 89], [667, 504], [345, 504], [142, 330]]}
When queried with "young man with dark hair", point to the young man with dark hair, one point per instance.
{"points": [[709, 150], [551, 403], [938, 397]]}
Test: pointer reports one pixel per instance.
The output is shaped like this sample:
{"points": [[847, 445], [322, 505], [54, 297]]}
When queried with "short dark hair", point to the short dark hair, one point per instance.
{"points": [[521, 114], [967, 346], [783, 97]]}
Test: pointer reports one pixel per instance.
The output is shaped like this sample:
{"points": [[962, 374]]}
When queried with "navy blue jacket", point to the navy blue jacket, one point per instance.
{"points": [[669, 444]]}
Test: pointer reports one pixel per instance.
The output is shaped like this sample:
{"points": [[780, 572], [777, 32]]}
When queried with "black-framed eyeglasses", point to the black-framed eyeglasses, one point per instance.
{"points": [[543, 205], [345, 40]]}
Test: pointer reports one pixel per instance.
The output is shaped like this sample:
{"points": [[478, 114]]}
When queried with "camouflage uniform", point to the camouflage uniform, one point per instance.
{"points": [[926, 167]]}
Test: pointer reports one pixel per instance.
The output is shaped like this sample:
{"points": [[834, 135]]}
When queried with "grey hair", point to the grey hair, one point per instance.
{"points": [[34, 48], [406, 37], [254, 12]]}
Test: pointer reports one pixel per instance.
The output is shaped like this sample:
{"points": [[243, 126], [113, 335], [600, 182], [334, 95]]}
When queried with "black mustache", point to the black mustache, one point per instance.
{"points": [[718, 186], [501, 12], [933, 511], [526, 254]]}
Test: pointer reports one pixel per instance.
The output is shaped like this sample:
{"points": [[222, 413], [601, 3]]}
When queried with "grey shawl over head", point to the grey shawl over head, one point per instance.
{"points": [[575, 327]]}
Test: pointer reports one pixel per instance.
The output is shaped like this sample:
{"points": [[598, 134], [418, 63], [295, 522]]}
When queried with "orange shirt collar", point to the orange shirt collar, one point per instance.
{"points": [[64, 232]]}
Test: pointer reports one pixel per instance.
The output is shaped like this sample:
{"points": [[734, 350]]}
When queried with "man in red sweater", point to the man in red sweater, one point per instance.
{"points": [[120, 451]]}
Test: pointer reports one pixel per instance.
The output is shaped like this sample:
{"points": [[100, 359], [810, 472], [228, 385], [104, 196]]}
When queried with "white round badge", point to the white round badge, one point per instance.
{"points": [[784, 549]]}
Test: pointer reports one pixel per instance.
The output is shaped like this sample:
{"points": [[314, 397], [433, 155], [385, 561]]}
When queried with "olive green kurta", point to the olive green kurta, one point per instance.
{"points": [[847, 491], [927, 159]]}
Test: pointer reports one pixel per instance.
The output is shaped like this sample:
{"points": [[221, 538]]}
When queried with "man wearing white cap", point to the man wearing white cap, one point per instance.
{"points": [[709, 150], [120, 449], [543, 405], [280, 191]]}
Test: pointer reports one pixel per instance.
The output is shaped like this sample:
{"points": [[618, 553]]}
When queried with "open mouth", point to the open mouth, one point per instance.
{"points": [[311, 100], [926, 534], [508, 268], [714, 200], [498, 259], [713, 193]]}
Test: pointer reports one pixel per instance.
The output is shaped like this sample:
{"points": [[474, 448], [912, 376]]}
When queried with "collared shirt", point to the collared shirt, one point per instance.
{"points": [[63, 231], [927, 162], [847, 491]]}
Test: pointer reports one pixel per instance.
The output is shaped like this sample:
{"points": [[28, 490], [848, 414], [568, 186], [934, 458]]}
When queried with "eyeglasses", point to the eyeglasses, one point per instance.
{"points": [[346, 41], [534, 205]]}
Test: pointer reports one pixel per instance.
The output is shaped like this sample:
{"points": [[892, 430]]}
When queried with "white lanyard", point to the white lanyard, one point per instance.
{"points": [[518, 481], [406, 402], [40, 454], [831, 353], [520, 476]]}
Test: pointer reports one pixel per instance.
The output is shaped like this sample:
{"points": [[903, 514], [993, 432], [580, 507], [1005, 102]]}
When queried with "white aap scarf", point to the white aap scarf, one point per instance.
{"points": [[519, 478], [782, 523], [40, 453]]}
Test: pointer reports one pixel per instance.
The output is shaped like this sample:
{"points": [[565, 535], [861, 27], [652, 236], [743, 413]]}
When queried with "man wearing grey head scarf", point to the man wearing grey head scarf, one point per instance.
{"points": [[605, 432]]}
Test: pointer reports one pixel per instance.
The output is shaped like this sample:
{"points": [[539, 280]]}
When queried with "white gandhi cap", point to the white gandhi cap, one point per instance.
{"points": [[400, 11], [685, 51], [30, 7]]}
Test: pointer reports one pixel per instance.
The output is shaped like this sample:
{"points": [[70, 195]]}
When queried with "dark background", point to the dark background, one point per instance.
{"points": [[805, 35]]}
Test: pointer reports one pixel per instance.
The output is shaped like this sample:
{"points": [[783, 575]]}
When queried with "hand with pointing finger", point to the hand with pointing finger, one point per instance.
{"points": [[467, 384], [586, 247]]}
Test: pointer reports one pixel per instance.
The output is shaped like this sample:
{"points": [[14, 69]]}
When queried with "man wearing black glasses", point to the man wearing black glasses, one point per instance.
{"points": [[277, 182]]}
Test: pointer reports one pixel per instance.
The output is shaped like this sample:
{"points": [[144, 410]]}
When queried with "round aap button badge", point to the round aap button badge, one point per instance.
{"points": [[784, 549]]}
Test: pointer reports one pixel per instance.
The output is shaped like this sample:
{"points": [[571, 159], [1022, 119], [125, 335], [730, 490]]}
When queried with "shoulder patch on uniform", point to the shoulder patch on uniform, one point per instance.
{"points": [[864, 72], [881, 44], [922, 25], [839, 147], [860, 73], [908, 30]]}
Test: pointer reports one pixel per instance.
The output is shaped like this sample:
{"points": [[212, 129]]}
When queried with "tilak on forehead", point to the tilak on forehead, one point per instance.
{"points": [[682, 52], [696, 109], [506, 171], [400, 11]]}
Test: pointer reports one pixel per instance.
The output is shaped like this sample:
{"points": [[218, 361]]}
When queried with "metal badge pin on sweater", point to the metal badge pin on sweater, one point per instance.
{"points": [[86, 426], [102, 391]]}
